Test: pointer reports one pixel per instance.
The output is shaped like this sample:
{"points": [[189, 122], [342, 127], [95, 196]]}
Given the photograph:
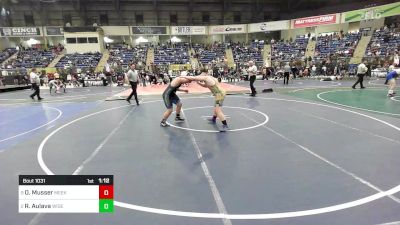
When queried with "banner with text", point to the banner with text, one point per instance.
{"points": [[316, 20], [371, 13], [19, 31], [269, 26], [228, 29], [149, 30], [54, 31], [188, 30]]}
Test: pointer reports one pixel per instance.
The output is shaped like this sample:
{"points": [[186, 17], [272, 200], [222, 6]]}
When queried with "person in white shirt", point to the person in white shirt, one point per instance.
{"points": [[286, 73], [35, 81], [313, 70], [252, 70], [324, 70], [133, 78], [361, 71]]}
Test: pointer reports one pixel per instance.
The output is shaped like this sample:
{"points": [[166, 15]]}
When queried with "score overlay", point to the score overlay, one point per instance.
{"points": [[66, 194]]}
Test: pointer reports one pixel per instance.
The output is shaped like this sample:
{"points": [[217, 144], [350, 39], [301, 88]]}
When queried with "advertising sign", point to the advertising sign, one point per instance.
{"points": [[19, 31], [269, 26], [228, 29], [188, 30], [315, 21], [371, 13], [149, 30]]}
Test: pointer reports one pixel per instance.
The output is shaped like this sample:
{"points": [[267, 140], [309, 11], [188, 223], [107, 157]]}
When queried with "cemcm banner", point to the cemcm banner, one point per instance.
{"points": [[188, 30], [228, 29], [371, 13], [313, 21], [149, 30], [19, 31], [269, 26]]}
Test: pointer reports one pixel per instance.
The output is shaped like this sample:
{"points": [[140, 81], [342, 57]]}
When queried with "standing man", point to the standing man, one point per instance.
{"points": [[286, 73], [133, 78], [391, 78], [252, 70], [108, 73], [361, 71], [35, 81], [313, 70]]}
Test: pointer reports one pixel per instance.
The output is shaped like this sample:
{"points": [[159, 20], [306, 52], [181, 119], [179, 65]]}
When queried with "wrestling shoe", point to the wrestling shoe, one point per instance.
{"points": [[224, 128], [212, 120], [178, 119], [164, 124]]}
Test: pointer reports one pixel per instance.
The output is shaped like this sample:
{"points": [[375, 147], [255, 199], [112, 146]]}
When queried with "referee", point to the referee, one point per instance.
{"points": [[35, 81], [286, 73], [252, 70], [361, 71], [133, 78]]}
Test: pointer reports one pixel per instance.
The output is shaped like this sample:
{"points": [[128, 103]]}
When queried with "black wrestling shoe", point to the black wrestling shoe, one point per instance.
{"points": [[164, 124], [178, 119], [212, 120]]}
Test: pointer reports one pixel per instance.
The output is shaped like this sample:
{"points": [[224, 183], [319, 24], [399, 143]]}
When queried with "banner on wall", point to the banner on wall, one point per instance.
{"points": [[269, 26], [54, 31], [19, 31], [149, 30], [316, 20], [180, 67], [371, 13], [188, 30], [228, 29]]}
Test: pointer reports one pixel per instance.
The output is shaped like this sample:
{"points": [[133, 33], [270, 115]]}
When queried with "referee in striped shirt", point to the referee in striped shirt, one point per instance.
{"points": [[133, 78]]}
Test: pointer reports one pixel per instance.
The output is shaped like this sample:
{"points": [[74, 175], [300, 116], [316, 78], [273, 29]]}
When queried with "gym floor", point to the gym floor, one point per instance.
{"points": [[308, 153]]}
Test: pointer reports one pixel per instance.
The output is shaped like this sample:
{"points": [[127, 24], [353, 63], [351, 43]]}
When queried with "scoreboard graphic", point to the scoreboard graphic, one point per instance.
{"points": [[66, 194]]}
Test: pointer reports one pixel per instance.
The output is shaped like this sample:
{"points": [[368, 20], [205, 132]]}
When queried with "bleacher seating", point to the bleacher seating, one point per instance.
{"points": [[171, 54], [79, 60], [31, 58], [6, 53], [384, 42], [289, 50], [121, 54], [207, 54], [335, 45], [242, 54]]}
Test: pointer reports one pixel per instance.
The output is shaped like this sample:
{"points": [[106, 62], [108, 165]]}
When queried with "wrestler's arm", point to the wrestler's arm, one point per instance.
{"points": [[201, 84], [197, 78]]}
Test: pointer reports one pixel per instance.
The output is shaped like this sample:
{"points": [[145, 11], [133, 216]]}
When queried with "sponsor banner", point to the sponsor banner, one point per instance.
{"points": [[188, 30], [19, 31], [149, 30], [269, 26], [180, 67], [316, 20], [228, 29], [371, 13], [54, 31]]}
